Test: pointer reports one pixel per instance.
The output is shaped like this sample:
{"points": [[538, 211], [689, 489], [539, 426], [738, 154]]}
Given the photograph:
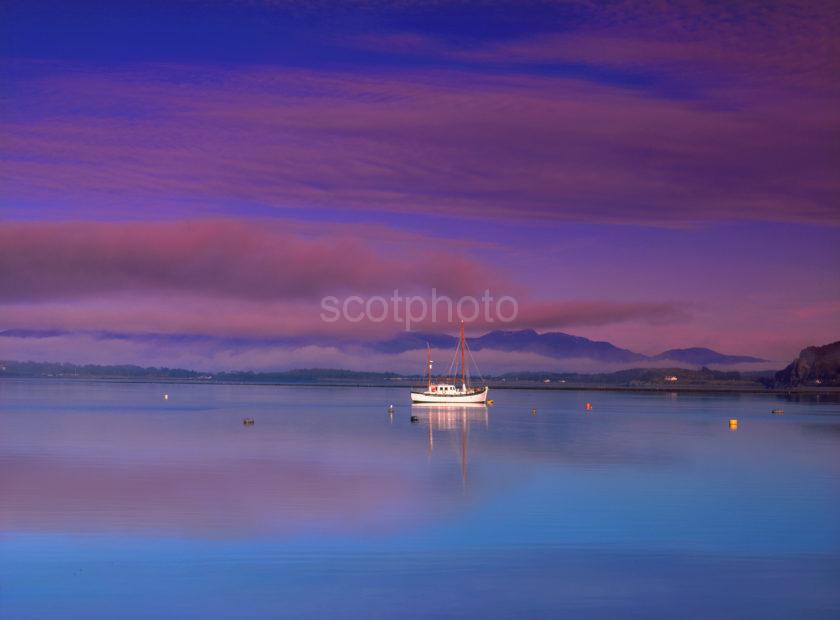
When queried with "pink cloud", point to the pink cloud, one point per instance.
{"points": [[197, 315], [226, 278], [587, 313], [221, 258], [820, 310]]}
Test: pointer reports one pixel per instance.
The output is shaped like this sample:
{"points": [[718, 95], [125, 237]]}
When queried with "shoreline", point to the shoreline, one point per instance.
{"points": [[686, 389]]}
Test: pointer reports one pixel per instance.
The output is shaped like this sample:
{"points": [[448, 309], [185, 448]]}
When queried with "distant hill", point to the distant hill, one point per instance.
{"points": [[554, 344], [560, 346], [704, 357], [817, 366]]}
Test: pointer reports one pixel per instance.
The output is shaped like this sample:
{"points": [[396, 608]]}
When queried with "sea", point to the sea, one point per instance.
{"points": [[123, 500]]}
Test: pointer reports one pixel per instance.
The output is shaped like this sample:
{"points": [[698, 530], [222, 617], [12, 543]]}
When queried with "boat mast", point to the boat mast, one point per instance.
{"points": [[463, 359], [429, 366]]}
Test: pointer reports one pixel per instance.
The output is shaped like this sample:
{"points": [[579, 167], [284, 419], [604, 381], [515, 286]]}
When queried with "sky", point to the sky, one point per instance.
{"points": [[182, 183]]}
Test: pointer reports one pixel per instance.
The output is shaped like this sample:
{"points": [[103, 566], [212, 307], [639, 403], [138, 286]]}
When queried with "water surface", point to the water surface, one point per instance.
{"points": [[118, 503]]}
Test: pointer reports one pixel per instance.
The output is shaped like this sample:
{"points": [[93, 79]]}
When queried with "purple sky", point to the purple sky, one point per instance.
{"points": [[656, 178]]}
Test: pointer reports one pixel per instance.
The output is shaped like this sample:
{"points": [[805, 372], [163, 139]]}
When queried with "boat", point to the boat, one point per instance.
{"points": [[450, 391]]}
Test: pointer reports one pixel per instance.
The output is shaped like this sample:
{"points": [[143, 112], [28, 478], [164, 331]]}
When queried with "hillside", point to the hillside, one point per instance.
{"points": [[815, 366]]}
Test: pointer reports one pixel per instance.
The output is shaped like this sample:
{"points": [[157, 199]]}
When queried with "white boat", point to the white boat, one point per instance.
{"points": [[444, 393], [451, 391]]}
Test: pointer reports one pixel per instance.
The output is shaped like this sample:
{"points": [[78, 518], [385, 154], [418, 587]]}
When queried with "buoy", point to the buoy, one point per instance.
{"points": [[588, 406], [490, 402], [390, 408], [248, 422], [414, 419], [733, 424], [534, 411], [166, 397]]}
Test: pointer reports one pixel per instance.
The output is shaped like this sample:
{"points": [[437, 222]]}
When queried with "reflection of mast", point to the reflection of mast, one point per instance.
{"points": [[431, 438], [451, 418], [464, 431]]}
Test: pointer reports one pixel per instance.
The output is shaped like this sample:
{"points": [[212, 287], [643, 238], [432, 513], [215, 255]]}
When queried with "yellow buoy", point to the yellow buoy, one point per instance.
{"points": [[733, 424], [490, 402]]}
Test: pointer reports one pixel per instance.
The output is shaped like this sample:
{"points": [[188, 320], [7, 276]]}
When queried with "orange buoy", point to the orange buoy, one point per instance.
{"points": [[588, 406], [733, 424]]}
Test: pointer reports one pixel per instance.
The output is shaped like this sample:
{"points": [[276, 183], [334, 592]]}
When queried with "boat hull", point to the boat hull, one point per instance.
{"points": [[455, 399]]}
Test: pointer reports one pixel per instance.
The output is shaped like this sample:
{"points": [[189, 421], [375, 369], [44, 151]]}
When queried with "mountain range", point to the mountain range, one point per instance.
{"points": [[554, 345], [558, 345]]}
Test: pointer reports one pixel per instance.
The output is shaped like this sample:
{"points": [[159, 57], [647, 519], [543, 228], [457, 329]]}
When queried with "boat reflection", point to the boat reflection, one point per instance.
{"points": [[448, 418]]}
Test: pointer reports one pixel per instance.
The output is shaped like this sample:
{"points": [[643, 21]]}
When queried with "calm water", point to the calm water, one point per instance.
{"points": [[117, 503]]}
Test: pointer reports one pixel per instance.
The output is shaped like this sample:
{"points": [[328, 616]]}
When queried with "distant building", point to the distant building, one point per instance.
{"points": [[672, 378], [546, 380]]}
